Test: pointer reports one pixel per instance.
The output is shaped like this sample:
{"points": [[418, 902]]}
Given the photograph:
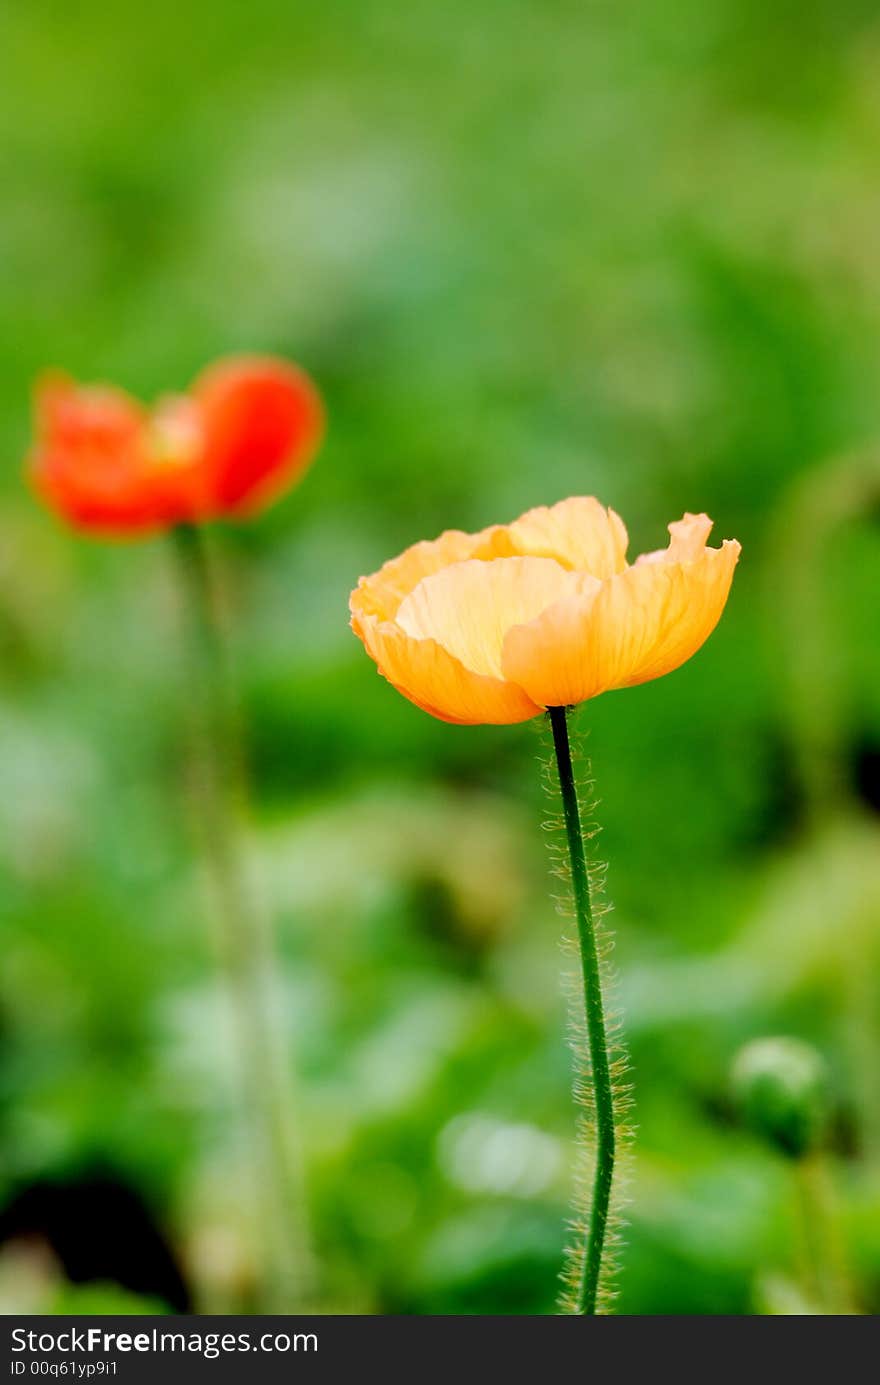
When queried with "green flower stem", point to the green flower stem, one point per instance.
{"points": [[825, 1270], [244, 942], [588, 1286]]}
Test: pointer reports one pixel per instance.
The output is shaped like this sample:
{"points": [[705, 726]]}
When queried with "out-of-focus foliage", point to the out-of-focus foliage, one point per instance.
{"points": [[528, 249], [782, 1089]]}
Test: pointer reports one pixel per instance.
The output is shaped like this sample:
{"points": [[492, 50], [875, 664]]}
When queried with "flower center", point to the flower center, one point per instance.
{"points": [[175, 433]]}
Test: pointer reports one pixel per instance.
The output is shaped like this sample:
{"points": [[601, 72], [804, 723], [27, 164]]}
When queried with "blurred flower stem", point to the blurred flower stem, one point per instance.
{"points": [[823, 1257], [590, 1272], [244, 943]]}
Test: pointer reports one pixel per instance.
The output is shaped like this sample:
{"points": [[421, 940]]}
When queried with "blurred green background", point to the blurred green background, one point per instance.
{"points": [[528, 249]]}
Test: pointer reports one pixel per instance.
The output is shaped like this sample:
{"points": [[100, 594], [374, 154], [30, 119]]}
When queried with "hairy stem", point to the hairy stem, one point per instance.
{"points": [[588, 1287], [244, 942]]}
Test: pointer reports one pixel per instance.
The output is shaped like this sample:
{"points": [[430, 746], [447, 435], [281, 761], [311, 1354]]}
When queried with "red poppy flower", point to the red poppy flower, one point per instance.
{"points": [[244, 433]]}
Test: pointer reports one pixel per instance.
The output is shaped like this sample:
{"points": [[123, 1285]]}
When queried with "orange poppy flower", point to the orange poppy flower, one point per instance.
{"points": [[497, 626], [244, 432]]}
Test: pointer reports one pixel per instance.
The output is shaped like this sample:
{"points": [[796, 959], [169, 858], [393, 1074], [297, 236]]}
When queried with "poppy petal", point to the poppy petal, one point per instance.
{"points": [[687, 540], [382, 593], [89, 463], [262, 421], [580, 533], [639, 625], [428, 675], [469, 607]]}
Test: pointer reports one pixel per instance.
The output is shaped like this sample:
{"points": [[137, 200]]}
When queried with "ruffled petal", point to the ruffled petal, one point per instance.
{"points": [[685, 613], [381, 594], [550, 658], [639, 625], [428, 675], [687, 540], [579, 533], [469, 607]]}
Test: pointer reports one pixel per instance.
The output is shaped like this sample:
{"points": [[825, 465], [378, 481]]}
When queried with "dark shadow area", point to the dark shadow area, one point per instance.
{"points": [[100, 1229]]}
